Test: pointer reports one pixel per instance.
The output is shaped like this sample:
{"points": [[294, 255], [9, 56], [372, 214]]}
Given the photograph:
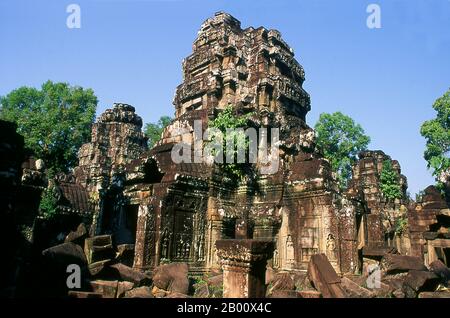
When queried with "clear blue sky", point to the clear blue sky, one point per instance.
{"points": [[131, 51]]}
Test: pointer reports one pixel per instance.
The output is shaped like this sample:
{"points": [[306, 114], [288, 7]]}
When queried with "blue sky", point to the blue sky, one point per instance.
{"points": [[131, 51]]}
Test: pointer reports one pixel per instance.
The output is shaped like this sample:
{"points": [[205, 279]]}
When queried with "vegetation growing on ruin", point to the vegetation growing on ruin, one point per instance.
{"points": [[437, 134], [55, 121], [228, 119], [153, 131], [340, 139], [390, 182], [48, 206], [401, 224], [202, 284]]}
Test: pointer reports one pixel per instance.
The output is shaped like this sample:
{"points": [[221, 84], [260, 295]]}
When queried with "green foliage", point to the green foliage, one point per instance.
{"points": [[340, 139], [437, 134], [228, 119], [154, 130], [55, 120], [216, 291], [164, 261], [401, 225], [419, 196], [390, 182], [48, 206]]}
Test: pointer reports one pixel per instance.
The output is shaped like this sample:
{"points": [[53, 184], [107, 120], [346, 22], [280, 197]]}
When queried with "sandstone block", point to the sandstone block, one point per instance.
{"points": [[324, 278]]}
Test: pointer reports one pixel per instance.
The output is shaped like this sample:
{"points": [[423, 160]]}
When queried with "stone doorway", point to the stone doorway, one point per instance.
{"points": [[125, 232]]}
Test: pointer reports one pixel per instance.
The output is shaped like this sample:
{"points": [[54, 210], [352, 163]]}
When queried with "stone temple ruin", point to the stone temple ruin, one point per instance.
{"points": [[145, 210]]}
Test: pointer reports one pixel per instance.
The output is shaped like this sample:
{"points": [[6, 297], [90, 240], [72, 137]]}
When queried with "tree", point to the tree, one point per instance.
{"points": [[390, 182], [437, 134], [340, 139], [55, 120], [154, 130], [229, 123], [48, 207]]}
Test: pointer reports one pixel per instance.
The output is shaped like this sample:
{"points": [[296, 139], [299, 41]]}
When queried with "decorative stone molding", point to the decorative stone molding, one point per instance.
{"points": [[244, 266]]}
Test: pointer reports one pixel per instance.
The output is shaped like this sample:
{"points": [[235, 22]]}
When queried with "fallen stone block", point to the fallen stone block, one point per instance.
{"points": [[398, 294], [177, 295], [99, 269], [284, 294], [101, 240], [108, 289], [393, 264], [441, 271], [126, 273], [139, 292], [309, 294], [81, 294], [324, 278], [172, 277], [301, 282], [158, 292], [53, 268], [98, 248], [123, 287], [353, 290], [377, 252], [382, 290], [65, 254], [394, 281], [78, 236], [282, 281], [419, 281], [437, 294]]}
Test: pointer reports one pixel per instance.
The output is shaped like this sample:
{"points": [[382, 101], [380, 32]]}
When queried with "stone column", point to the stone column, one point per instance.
{"points": [[141, 230], [244, 267], [214, 234]]}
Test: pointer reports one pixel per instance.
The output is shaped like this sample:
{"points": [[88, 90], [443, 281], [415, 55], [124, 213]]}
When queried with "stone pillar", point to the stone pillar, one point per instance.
{"points": [[141, 230], [244, 267]]}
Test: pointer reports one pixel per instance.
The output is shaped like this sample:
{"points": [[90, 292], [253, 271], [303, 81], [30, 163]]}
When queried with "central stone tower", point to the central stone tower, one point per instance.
{"points": [[252, 68]]}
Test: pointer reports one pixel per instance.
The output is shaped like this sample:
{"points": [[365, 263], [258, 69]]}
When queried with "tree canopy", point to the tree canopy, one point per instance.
{"points": [[437, 134], [55, 120], [340, 139], [154, 130]]}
